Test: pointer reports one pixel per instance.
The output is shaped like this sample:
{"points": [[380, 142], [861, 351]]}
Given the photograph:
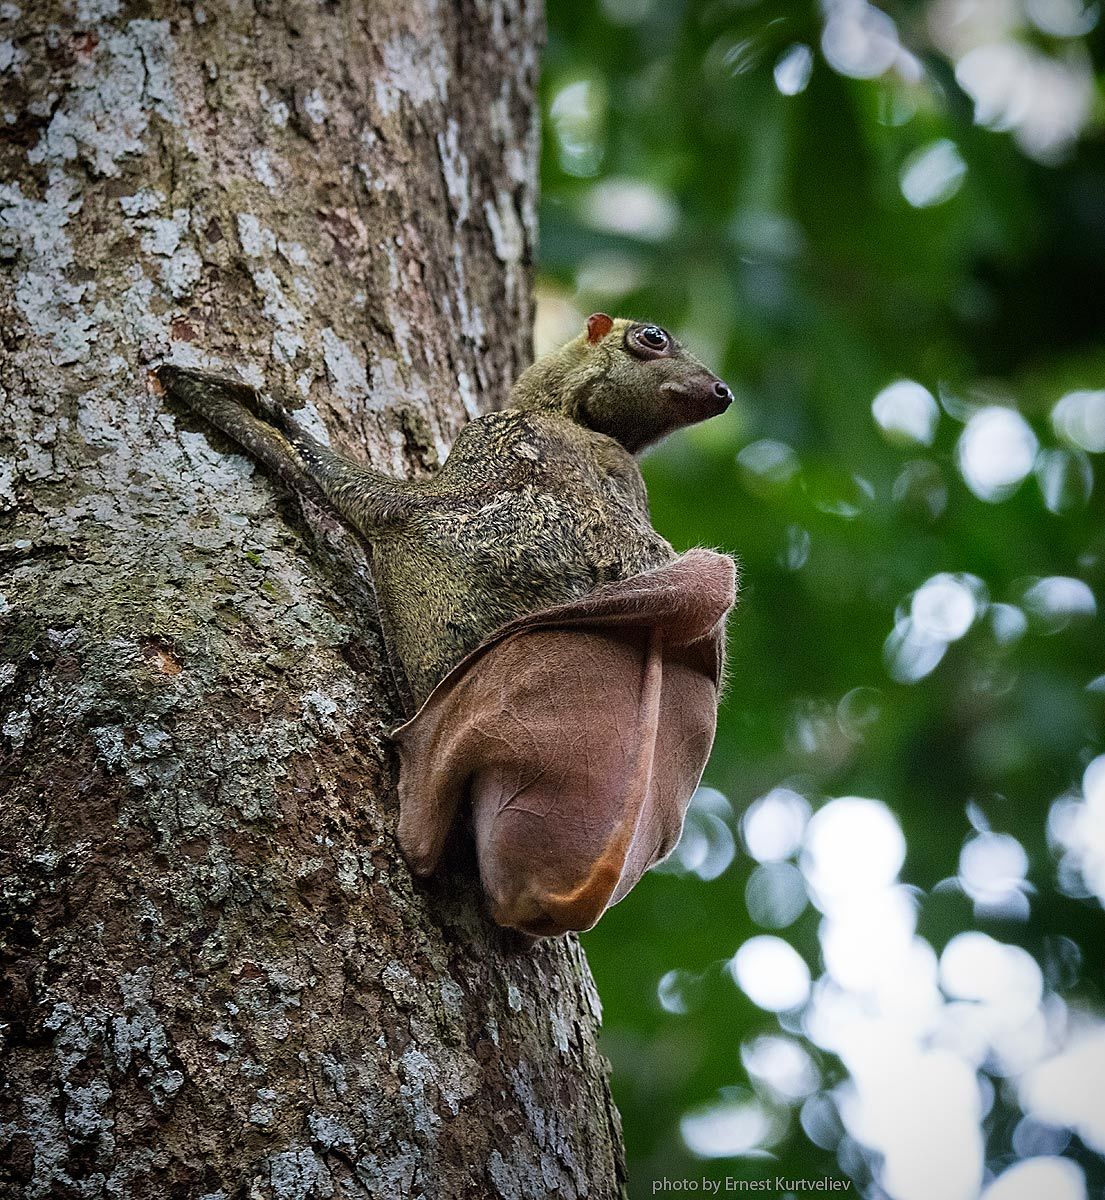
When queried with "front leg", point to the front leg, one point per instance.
{"points": [[232, 406], [368, 500], [226, 404]]}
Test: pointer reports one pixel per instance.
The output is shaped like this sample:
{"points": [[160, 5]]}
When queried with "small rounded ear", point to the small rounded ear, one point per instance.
{"points": [[598, 326]]}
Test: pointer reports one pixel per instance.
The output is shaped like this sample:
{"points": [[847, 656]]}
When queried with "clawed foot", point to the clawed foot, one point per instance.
{"points": [[198, 389]]}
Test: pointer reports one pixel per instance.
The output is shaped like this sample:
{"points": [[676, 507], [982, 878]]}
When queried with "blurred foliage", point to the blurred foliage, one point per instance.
{"points": [[773, 233]]}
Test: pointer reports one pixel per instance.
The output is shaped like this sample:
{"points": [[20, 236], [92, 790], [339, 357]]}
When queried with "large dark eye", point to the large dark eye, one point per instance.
{"points": [[648, 340]]}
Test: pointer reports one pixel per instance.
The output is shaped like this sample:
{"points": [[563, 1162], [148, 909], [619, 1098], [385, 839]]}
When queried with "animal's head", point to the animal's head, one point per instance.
{"points": [[628, 379]]}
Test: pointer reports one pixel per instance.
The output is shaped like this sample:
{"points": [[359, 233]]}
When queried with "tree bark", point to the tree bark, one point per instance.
{"points": [[218, 978]]}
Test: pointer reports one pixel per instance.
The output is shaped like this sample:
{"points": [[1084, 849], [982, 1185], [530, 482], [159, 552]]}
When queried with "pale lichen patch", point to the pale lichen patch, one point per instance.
{"points": [[162, 237], [145, 200], [328, 1132], [261, 162], [414, 67], [294, 253], [298, 1174], [255, 238], [467, 394], [163, 234], [140, 324], [347, 373], [91, 11], [315, 106], [35, 232], [506, 230], [12, 57], [324, 714], [107, 111], [560, 1031], [401, 984], [252, 375], [454, 168], [16, 727], [452, 996], [278, 112], [287, 341], [471, 319]]}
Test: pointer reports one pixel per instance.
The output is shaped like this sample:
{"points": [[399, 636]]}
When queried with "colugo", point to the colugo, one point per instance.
{"points": [[563, 662]]}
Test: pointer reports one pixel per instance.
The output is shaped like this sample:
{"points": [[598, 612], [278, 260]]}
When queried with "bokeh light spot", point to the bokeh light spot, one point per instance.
{"points": [[767, 465], [992, 868], [853, 846], [578, 118], [772, 826], [771, 973], [671, 992], [974, 966], [910, 654], [1079, 419], [1063, 18], [933, 174], [775, 895], [821, 1122], [859, 40], [793, 69], [796, 548], [1065, 478], [1039, 1179], [996, 451], [1007, 622], [858, 711], [921, 489], [1046, 101], [944, 607], [1057, 599], [631, 207], [727, 1129], [907, 413], [707, 845], [1065, 1090], [783, 1065]]}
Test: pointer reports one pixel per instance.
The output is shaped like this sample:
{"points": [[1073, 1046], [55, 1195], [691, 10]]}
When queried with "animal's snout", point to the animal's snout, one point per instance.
{"points": [[713, 395]]}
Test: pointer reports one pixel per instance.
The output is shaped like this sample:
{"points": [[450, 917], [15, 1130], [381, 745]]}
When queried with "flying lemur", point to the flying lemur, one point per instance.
{"points": [[537, 504]]}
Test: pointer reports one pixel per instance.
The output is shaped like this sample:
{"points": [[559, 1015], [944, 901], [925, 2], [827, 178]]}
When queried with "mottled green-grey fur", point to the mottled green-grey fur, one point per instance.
{"points": [[536, 505]]}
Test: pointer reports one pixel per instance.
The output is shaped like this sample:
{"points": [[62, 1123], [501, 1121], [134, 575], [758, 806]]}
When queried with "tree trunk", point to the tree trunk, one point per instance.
{"points": [[218, 977]]}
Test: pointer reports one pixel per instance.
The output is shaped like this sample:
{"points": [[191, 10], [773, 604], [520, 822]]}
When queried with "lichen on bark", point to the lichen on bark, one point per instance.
{"points": [[218, 978]]}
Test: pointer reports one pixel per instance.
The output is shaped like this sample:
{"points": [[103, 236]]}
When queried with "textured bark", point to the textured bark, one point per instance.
{"points": [[218, 978]]}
